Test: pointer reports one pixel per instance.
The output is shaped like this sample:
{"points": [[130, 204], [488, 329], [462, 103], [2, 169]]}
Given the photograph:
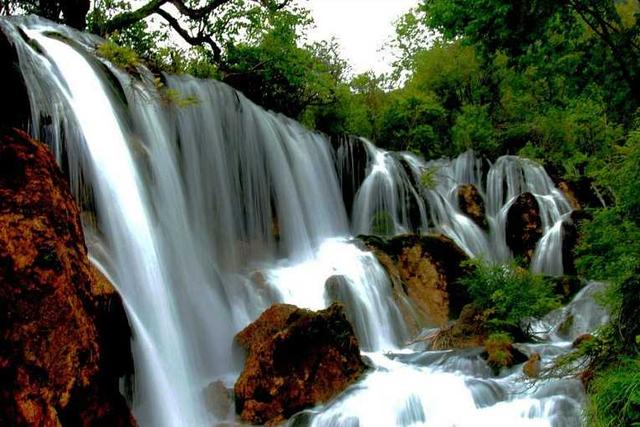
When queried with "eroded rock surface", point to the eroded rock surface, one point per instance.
{"points": [[472, 205], [64, 336], [524, 226], [424, 271], [296, 359]]}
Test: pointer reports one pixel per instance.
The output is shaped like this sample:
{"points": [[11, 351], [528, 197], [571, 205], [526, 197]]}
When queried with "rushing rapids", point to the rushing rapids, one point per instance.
{"points": [[204, 215]]}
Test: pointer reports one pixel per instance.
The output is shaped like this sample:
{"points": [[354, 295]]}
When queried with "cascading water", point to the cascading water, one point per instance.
{"points": [[394, 198], [205, 214]]}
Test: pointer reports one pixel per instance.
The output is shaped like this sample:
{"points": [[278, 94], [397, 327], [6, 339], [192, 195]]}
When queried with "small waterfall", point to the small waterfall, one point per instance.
{"points": [[205, 214], [402, 193]]}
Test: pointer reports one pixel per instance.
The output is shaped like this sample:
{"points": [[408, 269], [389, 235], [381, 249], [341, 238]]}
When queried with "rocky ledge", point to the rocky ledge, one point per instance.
{"points": [[64, 335]]}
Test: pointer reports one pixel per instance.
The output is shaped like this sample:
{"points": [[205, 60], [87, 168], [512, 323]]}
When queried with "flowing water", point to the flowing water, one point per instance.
{"points": [[206, 210]]}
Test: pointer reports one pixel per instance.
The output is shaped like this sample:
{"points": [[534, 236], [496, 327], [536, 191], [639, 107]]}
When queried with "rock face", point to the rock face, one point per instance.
{"points": [[524, 226], [64, 336], [472, 205], [296, 359], [424, 271]]}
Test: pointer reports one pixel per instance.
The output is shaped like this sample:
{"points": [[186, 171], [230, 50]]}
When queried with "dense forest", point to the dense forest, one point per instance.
{"points": [[554, 81]]}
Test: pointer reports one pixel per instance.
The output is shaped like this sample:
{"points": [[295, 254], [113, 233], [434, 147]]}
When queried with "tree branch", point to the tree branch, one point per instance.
{"points": [[198, 40]]}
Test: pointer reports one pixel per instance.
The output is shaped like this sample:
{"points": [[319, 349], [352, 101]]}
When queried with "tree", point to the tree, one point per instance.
{"points": [[515, 26], [70, 12]]}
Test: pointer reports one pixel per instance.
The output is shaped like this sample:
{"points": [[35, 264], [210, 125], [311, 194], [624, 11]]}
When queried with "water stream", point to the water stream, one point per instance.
{"points": [[205, 214]]}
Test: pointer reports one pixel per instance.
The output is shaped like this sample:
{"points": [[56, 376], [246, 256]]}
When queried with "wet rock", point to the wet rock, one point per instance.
{"points": [[219, 399], [472, 205], [581, 340], [467, 332], [500, 353], [424, 271], [531, 368], [64, 335], [296, 359], [524, 226], [570, 194]]}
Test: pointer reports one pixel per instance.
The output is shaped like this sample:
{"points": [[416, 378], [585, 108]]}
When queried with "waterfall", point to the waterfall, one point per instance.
{"points": [[204, 213], [393, 198]]}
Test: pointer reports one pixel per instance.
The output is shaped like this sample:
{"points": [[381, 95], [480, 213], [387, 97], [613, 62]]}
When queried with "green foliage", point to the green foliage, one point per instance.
{"points": [[615, 395], [509, 294], [473, 130], [609, 248], [121, 56], [429, 177]]}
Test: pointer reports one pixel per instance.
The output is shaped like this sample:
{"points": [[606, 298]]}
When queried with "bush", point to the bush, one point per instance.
{"points": [[508, 294], [615, 395], [499, 347]]}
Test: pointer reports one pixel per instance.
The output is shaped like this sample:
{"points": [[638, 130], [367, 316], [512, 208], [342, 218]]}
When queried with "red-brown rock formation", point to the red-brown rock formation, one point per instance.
{"points": [[64, 336], [295, 359]]}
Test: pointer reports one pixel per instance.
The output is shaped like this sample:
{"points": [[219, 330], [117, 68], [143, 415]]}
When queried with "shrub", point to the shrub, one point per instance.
{"points": [[615, 395], [508, 294]]}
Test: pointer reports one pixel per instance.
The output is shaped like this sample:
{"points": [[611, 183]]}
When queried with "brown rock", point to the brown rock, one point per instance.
{"points": [[532, 367], [296, 359], [568, 191], [500, 352], [424, 271], [472, 205], [468, 331], [524, 226], [64, 337], [581, 339]]}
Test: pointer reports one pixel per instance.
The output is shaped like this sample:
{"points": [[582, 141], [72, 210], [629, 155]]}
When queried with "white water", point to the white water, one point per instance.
{"points": [[392, 188], [204, 215]]}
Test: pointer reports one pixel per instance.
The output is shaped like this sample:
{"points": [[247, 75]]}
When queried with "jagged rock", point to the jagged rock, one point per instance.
{"points": [[295, 359], [472, 205], [424, 271], [524, 226], [64, 336], [532, 366]]}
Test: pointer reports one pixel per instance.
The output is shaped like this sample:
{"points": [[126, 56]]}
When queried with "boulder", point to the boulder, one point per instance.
{"points": [[524, 226], [471, 203], [581, 340], [64, 335], [424, 271], [296, 359], [531, 368]]}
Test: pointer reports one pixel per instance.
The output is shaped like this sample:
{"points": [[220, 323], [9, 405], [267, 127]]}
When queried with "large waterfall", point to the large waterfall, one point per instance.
{"points": [[204, 213]]}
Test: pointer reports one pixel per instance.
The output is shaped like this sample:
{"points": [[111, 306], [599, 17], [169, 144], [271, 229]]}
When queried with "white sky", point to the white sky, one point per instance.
{"points": [[361, 27]]}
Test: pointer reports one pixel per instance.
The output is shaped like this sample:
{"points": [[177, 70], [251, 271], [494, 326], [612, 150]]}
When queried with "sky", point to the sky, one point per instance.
{"points": [[361, 27]]}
